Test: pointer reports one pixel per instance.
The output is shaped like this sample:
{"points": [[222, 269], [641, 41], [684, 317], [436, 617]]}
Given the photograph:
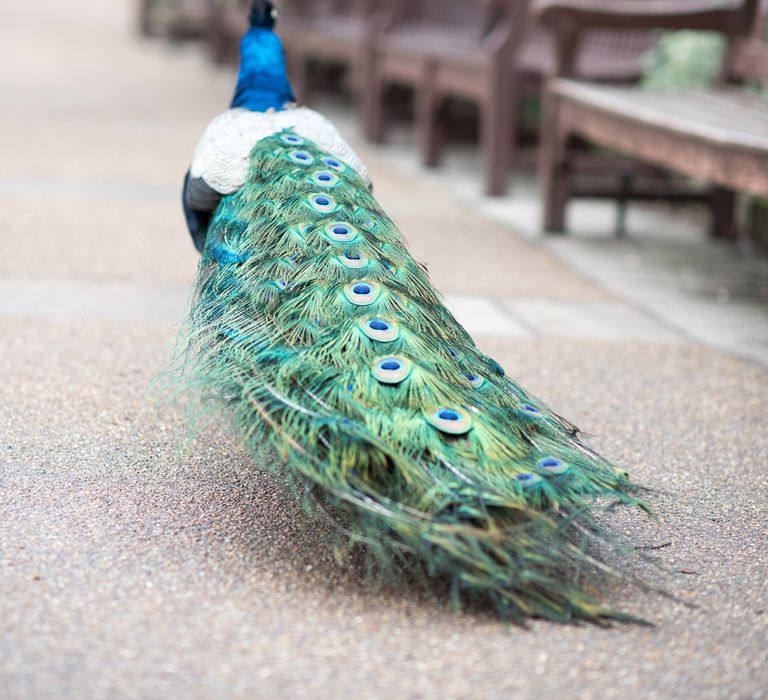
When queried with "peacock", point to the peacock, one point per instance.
{"points": [[323, 339]]}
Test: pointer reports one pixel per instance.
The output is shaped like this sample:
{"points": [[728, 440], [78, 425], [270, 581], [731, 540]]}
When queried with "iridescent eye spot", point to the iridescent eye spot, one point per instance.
{"points": [[450, 420], [454, 354], [325, 179], [291, 140], [526, 479], [391, 370], [380, 330], [353, 262], [474, 380], [552, 466], [334, 164], [322, 203], [301, 157], [362, 293], [531, 410], [340, 232]]}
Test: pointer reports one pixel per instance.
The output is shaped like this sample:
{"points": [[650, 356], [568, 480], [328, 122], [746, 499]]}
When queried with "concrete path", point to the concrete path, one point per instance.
{"points": [[138, 563]]}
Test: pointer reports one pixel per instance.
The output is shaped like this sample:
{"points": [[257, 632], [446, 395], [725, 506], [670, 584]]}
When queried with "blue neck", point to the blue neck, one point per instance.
{"points": [[262, 82]]}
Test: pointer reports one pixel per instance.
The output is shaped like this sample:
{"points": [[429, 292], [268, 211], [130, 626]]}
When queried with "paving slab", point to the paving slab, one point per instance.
{"points": [[484, 316], [589, 319]]}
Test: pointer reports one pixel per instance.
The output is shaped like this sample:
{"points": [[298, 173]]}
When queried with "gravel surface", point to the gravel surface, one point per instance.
{"points": [[138, 561]]}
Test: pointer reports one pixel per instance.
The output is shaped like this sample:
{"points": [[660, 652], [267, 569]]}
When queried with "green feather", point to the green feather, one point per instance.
{"points": [[452, 462]]}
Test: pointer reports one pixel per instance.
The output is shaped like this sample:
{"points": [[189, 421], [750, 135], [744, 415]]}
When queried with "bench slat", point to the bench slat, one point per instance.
{"points": [[728, 116]]}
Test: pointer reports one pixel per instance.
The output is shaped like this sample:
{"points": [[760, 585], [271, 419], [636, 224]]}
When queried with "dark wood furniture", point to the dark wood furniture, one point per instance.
{"points": [[146, 21], [431, 45], [490, 52], [330, 31], [228, 21], [719, 135], [176, 19], [335, 32]]}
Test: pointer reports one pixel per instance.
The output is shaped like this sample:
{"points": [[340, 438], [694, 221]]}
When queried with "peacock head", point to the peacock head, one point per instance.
{"points": [[263, 14], [262, 81]]}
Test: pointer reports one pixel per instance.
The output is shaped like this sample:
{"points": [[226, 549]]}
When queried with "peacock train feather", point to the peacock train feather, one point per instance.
{"points": [[326, 341]]}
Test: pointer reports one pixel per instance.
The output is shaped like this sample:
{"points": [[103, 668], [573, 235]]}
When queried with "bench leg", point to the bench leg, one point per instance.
{"points": [[622, 201], [361, 76], [373, 104], [553, 174], [298, 72], [498, 113], [221, 46], [723, 204], [428, 120], [303, 82], [145, 18]]}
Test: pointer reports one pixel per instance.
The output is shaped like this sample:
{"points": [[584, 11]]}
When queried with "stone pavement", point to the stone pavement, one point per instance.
{"points": [[138, 563]]}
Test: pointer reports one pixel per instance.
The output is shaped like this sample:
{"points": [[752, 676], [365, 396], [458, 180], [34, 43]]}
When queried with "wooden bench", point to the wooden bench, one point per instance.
{"points": [[335, 32], [176, 19], [331, 31], [490, 52], [427, 44], [228, 22], [718, 135]]}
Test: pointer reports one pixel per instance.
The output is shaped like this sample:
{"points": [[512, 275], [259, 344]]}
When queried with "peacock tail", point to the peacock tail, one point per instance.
{"points": [[325, 339]]}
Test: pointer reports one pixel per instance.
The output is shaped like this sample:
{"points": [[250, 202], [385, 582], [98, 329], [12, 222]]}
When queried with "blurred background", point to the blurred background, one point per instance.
{"points": [[654, 164], [464, 72]]}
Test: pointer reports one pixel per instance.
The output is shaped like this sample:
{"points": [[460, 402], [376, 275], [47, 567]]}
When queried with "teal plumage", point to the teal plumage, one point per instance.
{"points": [[314, 325]]}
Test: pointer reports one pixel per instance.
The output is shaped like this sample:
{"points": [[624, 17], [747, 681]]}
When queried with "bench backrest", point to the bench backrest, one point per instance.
{"points": [[327, 8], [749, 54], [476, 17], [348, 8]]}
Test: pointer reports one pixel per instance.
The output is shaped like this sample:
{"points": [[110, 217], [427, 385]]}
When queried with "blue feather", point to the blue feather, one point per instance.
{"points": [[262, 82]]}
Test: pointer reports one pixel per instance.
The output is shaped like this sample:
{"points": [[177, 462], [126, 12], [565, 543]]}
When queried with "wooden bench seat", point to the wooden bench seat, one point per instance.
{"points": [[727, 116], [719, 135]]}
